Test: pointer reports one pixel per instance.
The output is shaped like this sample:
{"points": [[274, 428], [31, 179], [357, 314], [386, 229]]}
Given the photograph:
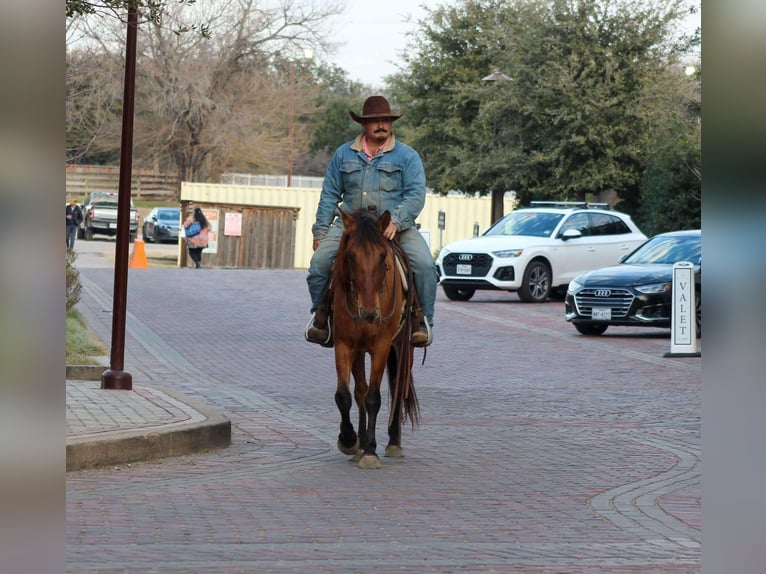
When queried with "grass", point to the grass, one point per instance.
{"points": [[81, 344]]}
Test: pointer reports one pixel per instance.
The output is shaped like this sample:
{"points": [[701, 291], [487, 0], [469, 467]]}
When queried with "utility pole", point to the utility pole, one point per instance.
{"points": [[115, 378]]}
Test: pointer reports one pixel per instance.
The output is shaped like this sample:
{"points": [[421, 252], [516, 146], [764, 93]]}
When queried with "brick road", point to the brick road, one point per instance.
{"points": [[540, 450]]}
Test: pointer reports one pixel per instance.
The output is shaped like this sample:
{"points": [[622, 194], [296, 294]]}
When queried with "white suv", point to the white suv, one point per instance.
{"points": [[538, 250]]}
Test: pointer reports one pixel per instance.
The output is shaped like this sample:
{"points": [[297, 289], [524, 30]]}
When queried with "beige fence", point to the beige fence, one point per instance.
{"points": [[461, 213], [145, 184]]}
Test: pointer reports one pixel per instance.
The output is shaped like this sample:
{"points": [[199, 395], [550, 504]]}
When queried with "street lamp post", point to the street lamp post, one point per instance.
{"points": [[497, 194]]}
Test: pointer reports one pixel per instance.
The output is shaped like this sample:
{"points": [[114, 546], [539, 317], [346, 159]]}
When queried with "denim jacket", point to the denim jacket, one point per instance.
{"points": [[393, 181]]}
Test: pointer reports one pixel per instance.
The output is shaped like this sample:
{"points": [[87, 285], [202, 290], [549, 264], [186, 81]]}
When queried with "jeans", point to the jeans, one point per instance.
{"points": [[71, 234], [421, 261]]}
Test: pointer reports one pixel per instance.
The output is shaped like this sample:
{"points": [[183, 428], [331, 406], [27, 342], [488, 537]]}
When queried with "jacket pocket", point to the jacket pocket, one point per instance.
{"points": [[351, 172], [390, 176]]}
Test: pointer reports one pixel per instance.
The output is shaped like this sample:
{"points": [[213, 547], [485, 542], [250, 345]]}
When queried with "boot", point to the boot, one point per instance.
{"points": [[318, 331], [423, 336]]}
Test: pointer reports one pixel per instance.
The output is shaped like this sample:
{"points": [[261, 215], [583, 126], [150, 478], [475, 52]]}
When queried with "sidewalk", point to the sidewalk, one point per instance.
{"points": [[112, 427]]}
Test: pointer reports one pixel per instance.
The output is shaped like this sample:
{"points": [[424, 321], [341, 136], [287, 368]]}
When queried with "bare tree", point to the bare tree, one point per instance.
{"points": [[204, 105]]}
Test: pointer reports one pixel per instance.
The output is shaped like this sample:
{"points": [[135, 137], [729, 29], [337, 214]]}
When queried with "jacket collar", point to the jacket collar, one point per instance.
{"points": [[357, 145]]}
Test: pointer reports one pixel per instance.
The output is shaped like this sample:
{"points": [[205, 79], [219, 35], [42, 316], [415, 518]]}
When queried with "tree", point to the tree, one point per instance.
{"points": [[579, 112], [208, 104]]}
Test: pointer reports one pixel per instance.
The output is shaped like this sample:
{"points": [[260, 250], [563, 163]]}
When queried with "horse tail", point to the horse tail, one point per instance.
{"points": [[401, 385]]}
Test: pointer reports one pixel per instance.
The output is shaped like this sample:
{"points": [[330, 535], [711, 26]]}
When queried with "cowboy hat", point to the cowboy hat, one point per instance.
{"points": [[375, 107]]}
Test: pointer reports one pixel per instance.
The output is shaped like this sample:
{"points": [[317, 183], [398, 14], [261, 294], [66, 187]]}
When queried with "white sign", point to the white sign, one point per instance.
{"points": [[233, 224], [212, 217], [683, 335]]}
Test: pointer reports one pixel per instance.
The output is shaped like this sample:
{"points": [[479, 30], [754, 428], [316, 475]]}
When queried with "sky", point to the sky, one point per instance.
{"points": [[388, 24]]}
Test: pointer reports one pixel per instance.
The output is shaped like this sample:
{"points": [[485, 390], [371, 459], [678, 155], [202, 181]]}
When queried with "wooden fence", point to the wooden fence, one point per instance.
{"points": [[145, 184]]}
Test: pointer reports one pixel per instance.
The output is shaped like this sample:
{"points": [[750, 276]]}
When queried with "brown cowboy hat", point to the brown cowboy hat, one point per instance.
{"points": [[375, 107]]}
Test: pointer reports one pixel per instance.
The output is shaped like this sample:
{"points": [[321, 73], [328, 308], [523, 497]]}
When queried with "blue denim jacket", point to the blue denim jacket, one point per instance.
{"points": [[393, 181]]}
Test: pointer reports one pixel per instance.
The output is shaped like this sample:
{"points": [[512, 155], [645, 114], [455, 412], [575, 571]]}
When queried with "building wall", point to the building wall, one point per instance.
{"points": [[461, 213]]}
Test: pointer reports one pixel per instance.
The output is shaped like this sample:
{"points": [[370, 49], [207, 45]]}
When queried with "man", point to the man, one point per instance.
{"points": [[373, 170], [73, 220]]}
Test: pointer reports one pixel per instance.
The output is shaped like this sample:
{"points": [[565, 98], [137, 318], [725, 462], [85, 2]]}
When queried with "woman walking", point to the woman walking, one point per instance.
{"points": [[196, 229]]}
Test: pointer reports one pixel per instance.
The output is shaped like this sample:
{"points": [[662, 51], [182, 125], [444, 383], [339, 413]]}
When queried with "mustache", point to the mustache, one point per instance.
{"points": [[381, 131]]}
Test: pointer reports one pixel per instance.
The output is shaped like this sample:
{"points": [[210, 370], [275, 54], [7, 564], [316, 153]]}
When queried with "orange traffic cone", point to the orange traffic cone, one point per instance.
{"points": [[138, 256]]}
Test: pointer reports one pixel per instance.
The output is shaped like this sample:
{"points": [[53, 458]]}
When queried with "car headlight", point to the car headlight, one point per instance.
{"points": [[574, 287], [654, 288], [507, 253]]}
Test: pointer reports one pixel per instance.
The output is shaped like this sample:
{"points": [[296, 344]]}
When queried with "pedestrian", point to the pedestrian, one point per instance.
{"points": [[197, 232], [73, 221], [378, 173]]}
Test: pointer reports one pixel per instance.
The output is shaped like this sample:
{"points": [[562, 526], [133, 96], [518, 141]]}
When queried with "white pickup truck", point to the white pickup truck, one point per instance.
{"points": [[100, 216]]}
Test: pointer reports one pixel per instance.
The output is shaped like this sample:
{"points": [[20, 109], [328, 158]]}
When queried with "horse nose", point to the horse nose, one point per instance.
{"points": [[369, 315]]}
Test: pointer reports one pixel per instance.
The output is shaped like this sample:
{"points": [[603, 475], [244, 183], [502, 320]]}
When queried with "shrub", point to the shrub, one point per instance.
{"points": [[73, 285]]}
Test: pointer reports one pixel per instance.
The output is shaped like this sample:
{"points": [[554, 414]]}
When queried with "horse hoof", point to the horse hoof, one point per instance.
{"points": [[369, 461], [394, 451], [357, 456], [348, 449]]}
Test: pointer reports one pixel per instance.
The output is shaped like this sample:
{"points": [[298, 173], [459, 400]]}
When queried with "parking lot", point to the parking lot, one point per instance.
{"points": [[539, 450]]}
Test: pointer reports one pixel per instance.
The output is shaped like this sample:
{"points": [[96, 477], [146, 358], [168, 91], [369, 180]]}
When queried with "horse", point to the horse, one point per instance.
{"points": [[373, 303]]}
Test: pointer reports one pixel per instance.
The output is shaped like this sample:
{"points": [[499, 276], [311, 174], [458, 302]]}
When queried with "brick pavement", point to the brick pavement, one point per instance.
{"points": [[540, 450]]}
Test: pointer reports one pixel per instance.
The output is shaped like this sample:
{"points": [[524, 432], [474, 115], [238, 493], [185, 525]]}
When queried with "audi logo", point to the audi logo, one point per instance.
{"points": [[603, 293], [465, 256]]}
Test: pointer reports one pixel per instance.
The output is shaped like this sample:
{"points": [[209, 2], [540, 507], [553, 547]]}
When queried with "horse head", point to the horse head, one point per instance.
{"points": [[366, 260]]}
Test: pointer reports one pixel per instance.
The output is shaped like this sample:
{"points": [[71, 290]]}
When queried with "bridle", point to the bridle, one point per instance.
{"points": [[352, 294]]}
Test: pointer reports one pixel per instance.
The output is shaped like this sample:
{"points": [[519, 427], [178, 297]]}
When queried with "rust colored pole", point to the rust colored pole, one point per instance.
{"points": [[115, 377]]}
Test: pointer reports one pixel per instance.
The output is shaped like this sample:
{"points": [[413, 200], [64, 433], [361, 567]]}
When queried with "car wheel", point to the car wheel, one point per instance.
{"points": [[536, 285], [455, 294], [88, 234], [132, 237], [145, 235], [591, 328], [80, 233], [698, 309]]}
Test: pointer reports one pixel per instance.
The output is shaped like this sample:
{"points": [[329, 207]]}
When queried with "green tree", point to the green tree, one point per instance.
{"points": [[576, 117]]}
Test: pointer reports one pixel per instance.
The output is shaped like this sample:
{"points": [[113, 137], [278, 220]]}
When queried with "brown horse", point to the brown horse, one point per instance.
{"points": [[372, 314]]}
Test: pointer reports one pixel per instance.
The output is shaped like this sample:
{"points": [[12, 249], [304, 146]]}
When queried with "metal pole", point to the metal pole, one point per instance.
{"points": [[115, 377]]}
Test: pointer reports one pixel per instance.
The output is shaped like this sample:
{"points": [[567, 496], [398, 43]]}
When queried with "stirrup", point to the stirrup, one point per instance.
{"points": [[327, 342], [429, 334]]}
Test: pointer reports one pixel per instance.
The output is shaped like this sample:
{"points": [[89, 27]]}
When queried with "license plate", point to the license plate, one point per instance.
{"points": [[463, 269], [112, 226], [602, 313]]}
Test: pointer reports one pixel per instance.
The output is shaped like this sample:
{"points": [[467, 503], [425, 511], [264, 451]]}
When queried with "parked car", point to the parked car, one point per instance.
{"points": [[100, 216], [537, 251], [637, 291], [162, 224]]}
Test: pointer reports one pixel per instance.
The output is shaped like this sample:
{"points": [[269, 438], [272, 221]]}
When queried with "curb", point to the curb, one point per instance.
{"points": [[211, 431]]}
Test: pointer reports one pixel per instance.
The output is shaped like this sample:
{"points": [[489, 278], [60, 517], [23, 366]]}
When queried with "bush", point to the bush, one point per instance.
{"points": [[73, 285]]}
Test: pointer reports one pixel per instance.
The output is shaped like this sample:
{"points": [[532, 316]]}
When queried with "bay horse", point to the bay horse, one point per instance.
{"points": [[372, 301]]}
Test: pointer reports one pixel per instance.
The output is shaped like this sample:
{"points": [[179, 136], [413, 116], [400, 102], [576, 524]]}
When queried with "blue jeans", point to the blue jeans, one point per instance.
{"points": [[71, 234], [414, 246]]}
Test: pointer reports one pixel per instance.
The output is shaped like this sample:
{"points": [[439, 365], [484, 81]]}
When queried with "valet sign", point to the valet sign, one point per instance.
{"points": [[683, 337]]}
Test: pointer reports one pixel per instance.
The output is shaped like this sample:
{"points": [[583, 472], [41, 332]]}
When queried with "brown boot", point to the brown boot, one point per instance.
{"points": [[318, 332], [422, 337]]}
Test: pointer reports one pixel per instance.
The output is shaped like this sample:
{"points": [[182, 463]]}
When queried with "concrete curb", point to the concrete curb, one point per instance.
{"points": [[208, 430]]}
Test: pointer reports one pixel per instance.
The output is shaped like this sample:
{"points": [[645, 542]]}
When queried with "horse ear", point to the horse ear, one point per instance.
{"points": [[348, 220], [383, 221]]}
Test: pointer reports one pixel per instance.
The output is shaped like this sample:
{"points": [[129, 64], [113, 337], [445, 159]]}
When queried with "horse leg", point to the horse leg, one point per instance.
{"points": [[348, 442], [360, 392], [394, 447], [372, 403]]}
